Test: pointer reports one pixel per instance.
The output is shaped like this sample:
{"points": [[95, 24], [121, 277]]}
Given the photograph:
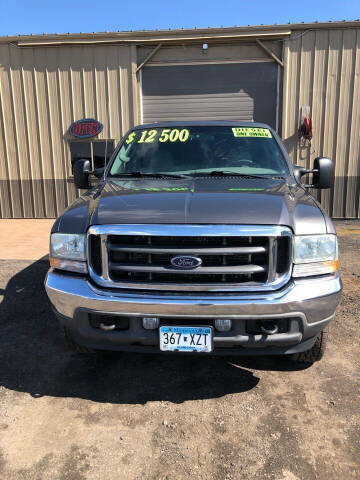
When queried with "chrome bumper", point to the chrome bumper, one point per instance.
{"points": [[309, 304], [316, 298]]}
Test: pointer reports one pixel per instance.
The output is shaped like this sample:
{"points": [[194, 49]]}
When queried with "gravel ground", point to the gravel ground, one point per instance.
{"points": [[118, 416]]}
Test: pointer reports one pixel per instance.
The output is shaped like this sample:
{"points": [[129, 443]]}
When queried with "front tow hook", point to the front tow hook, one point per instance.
{"points": [[269, 328], [107, 328]]}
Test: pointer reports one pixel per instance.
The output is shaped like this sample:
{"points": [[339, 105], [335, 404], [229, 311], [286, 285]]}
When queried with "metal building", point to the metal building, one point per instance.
{"points": [[265, 73]]}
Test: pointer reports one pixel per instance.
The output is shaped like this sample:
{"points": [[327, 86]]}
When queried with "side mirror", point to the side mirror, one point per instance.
{"points": [[323, 172], [82, 170]]}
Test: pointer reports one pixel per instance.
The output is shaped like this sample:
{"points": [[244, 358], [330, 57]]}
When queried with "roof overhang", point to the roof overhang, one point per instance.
{"points": [[180, 37]]}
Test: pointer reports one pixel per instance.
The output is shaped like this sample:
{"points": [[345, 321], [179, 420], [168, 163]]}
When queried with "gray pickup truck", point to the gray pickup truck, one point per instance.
{"points": [[198, 237]]}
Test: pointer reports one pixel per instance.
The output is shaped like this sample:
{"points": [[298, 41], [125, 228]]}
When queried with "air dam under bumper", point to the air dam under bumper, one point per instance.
{"points": [[309, 304]]}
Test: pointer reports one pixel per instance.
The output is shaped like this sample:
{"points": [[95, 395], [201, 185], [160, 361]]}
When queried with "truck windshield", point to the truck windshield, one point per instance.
{"points": [[200, 150]]}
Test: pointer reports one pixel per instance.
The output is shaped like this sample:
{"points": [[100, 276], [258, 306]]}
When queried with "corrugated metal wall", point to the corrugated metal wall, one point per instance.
{"points": [[42, 91], [322, 70]]}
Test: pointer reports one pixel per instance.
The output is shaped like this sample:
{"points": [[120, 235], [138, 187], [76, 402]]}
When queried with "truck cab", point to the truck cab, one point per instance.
{"points": [[198, 237]]}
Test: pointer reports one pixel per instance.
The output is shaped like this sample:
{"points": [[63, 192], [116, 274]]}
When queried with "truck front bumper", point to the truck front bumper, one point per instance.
{"points": [[307, 304]]}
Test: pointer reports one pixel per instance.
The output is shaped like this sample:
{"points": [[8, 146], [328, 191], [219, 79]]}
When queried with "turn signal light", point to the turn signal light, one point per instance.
{"points": [[316, 268], [70, 265]]}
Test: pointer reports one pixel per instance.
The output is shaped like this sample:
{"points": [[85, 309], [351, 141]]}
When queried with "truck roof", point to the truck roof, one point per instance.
{"points": [[203, 123]]}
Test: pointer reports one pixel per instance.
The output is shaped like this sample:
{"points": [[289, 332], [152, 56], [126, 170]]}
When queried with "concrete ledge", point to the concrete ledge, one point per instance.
{"points": [[24, 239]]}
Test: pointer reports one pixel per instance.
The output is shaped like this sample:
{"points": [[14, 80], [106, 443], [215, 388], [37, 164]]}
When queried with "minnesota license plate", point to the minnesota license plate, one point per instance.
{"points": [[186, 339]]}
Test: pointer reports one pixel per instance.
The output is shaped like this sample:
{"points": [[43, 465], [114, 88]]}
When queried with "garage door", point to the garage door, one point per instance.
{"points": [[236, 91]]}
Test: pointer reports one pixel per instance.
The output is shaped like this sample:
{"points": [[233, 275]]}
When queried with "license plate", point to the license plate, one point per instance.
{"points": [[186, 339]]}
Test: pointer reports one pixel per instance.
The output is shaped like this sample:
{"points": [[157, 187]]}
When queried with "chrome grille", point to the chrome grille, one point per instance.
{"points": [[234, 257]]}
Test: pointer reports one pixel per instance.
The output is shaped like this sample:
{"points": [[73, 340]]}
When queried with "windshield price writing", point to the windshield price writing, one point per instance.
{"points": [[166, 135]]}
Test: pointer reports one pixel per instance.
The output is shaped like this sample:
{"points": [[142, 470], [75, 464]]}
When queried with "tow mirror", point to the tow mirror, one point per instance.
{"points": [[323, 173], [82, 170]]}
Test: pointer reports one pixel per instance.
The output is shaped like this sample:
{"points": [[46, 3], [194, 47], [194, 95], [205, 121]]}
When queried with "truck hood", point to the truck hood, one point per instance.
{"points": [[204, 200]]}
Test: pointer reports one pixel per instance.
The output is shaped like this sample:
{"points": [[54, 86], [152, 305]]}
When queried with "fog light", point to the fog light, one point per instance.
{"points": [[223, 324], [150, 323]]}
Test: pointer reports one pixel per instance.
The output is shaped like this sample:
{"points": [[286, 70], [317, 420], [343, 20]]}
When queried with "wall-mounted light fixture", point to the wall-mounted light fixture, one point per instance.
{"points": [[205, 48]]}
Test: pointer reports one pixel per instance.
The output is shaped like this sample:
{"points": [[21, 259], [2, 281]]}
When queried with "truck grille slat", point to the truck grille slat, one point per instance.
{"points": [[189, 251], [241, 269], [233, 257]]}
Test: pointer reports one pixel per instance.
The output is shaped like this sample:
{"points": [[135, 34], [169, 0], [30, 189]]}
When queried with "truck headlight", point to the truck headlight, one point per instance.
{"points": [[68, 252], [314, 255]]}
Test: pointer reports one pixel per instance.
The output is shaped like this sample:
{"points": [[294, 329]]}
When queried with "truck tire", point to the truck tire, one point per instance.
{"points": [[72, 345], [315, 353]]}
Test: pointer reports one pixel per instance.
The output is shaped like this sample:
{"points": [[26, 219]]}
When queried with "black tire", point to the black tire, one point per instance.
{"points": [[72, 345], [315, 353]]}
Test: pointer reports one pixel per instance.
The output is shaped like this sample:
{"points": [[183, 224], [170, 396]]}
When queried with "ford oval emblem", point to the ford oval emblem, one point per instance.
{"points": [[186, 262]]}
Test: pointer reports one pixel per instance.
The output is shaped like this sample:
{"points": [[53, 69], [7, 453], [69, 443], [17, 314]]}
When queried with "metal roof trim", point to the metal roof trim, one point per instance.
{"points": [[146, 36], [164, 39]]}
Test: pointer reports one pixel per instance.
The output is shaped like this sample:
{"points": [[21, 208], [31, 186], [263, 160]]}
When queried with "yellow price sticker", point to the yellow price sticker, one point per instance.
{"points": [[251, 132]]}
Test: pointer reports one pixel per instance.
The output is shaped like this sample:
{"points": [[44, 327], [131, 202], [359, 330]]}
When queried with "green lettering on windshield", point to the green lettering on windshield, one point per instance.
{"points": [[251, 132], [186, 189], [246, 189]]}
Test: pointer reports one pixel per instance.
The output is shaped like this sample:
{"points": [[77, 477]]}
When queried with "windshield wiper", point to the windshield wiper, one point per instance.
{"points": [[152, 174], [226, 173]]}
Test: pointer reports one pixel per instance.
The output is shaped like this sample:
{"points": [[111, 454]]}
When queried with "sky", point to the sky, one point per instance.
{"points": [[62, 16]]}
